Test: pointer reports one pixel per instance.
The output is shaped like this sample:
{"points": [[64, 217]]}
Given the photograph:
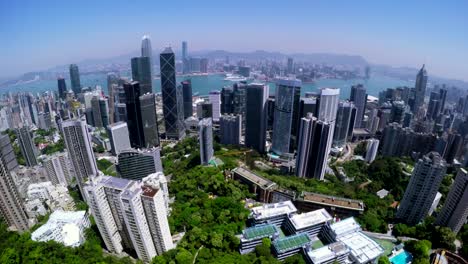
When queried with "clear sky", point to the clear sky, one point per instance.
{"points": [[36, 35]]}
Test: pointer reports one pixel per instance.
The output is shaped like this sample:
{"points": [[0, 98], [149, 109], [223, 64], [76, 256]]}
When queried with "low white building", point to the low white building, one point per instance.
{"points": [[274, 213], [55, 196], [64, 227]]}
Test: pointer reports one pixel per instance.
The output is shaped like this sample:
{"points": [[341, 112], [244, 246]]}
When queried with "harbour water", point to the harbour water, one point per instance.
{"points": [[206, 83]]}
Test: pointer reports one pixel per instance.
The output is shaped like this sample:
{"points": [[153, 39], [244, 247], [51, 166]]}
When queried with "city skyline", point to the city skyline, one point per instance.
{"points": [[365, 27]]}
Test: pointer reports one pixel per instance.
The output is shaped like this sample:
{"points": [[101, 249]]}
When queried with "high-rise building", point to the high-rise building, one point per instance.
{"points": [[397, 113], [359, 98], [112, 84], [104, 110], [173, 107], [205, 134], [75, 79], [290, 66], [149, 120], [204, 65], [187, 95], [215, 100], [455, 210], [204, 110], [146, 49], [422, 188], [134, 119], [11, 207], [442, 98], [156, 215], [185, 58], [227, 100], [194, 64], [62, 88], [78, 142], [372, 148], [420, 89], [327, 109], [141, 72], [285, 123], [44, 121], [119, 137], [230, 129], [137, 226], [307, 105], [343, 121], [255, 123], [135, 164], [312, 152], [26, 143], [96, 112], [59, 168]]}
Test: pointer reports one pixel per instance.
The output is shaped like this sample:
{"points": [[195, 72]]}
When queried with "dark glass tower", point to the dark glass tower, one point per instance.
{"points": [[75, 79], [187, 94], [62, 88], [135, 126], [141, 72], [28, 149], [173, 107], [256, 119], [343, 121], [227, 100], [420, 89], [359, 98], [149, 120]]}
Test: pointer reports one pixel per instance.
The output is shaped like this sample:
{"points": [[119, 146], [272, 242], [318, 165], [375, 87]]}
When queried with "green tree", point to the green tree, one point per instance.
{"points": [[384, 260]]}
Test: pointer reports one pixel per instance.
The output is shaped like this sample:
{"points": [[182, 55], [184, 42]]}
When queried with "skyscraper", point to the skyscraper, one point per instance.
{"points": [[75, 79], [28, 148], [312, 152], [287, 97], [327, 109], [119, 137], [422, 188], [230, 129], [141, 72], [173, 107], [290, 66], [62, 88], [215, 99], [205, 134], [372, 148], [96, 112], [187, 95], [78, 142], [227, 100], [343, 121], [255, 123], [146, 50], [58, 167], [419, 89], [112, 83], [359, 98], [135, 164], [185, 59], [134, 120], [149, 120], [104, 110], [11, 207]]}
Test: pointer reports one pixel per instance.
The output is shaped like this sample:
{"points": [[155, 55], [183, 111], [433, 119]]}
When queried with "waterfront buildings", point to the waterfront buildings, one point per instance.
{"points": [[455, 210], [75, 79], [173, 107], [256, 95], [422, 188], [205, 135]]}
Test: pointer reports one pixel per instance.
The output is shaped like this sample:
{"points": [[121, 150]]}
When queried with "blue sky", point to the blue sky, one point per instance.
{"points": [[36, 35]]}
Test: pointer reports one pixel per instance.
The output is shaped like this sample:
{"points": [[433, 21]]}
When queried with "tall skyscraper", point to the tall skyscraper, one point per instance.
{"points": [[204, 110], [134, 120], [104, 110], [327, 109], [78, 142], [290, 66], [205, 134], [75, 79], [149, 120], [58, 167], [343, 121], [185, 59], [285, 123], [312, 152], [112, 84], [119, 137], [141, 72], [372, 148], [359, 98], [11, 207], [173, 107], [187, 95], [255, 123], [135, 164], [62, 88], [28, 148], [146, 50], [230, 129], [215, 100], [227, 100], [96, 112], [420, 89], [422, 188]]}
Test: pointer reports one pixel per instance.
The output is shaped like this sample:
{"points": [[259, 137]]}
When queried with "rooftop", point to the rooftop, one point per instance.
{"points": [[272, 210], [149, 191], [254, 178], [291, 242], [327, 252], [344, 227], [362, 247], [114, 182], [312, 218], [334, 201], [259, 231]]}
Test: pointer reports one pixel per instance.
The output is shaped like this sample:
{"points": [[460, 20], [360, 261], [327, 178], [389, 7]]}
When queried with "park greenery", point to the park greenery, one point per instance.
{"points": [[420, 249], [107, 167]]}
